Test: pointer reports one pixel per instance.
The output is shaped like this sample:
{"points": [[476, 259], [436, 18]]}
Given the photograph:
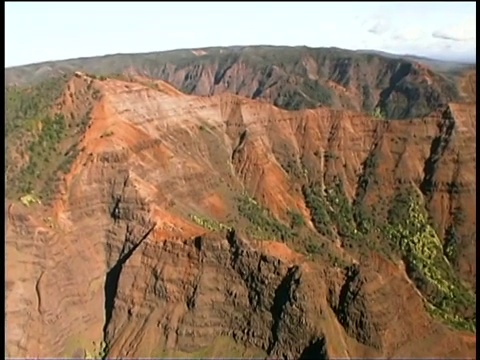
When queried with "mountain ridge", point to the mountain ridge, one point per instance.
{"points": [[289, 77], [179, 220], [239, 47]]}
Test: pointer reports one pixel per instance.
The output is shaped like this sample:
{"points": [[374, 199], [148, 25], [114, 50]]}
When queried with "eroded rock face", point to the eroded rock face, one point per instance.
{"points": [[216, 288], [176, 296], [121, 261]]}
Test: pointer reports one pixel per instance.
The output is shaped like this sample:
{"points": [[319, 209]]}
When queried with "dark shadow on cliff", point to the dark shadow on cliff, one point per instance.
{"points": [[316, 350], [112, 278]]}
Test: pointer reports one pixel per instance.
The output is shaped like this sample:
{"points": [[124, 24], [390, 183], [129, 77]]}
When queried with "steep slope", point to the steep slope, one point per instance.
{"points": [[289, 77], [468, 85], [183, 219]]}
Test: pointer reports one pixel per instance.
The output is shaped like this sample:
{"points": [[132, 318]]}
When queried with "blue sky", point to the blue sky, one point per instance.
{"points": [[45, 31]]}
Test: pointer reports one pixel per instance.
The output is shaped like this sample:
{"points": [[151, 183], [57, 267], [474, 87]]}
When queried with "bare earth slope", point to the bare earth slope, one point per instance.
{"points": [[226, 227], [289, 77]]}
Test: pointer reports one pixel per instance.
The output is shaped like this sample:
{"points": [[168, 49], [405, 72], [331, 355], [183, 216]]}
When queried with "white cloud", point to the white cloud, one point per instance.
{"points": [[380, 27], [401, 30], [377, 22], [464, 31], [430, 47]]}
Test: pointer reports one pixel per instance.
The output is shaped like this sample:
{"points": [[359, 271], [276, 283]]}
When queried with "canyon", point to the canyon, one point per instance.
{"points": [[145, 221]]}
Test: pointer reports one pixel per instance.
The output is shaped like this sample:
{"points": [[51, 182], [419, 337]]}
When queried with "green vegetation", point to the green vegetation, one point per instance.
{"points": [[291, 167], [95, 77], [340, 210], [41, 150], [333, 210], [314, 247], [263, 223], [25, 106], [296, 219], [450, 244], [319, 93], [98, 352], [368, 102], [458, 216], [318, 209], [378, 113], [209, 224], [37, 139], [29, 199], [121, 77], [411, 233], [451, 239], [79, 346], [332, 213], [290, 99], [368, 176], [364, 221], [264, 226], [107, 134]]}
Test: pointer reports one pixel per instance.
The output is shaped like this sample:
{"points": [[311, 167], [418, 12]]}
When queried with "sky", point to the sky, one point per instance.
{"points": [[44, 31]]}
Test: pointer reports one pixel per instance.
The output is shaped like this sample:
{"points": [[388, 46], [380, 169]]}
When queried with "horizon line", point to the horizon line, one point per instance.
{"points": [[378, 52]]}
